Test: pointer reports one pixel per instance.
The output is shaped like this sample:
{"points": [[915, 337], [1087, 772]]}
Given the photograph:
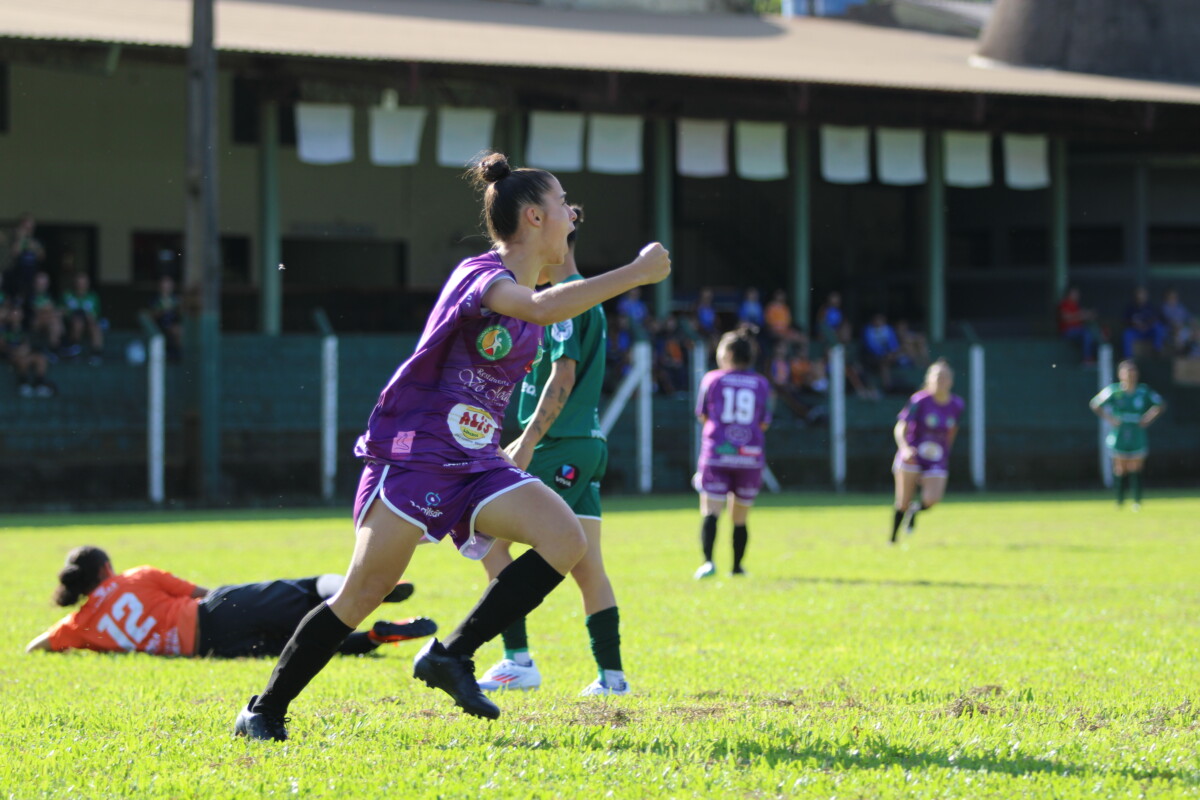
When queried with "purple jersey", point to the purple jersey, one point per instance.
{"points": [[928, 424], [444, 406], [734, 403]]}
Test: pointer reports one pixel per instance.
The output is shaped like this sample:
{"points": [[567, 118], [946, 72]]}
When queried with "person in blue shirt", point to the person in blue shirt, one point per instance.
{"points": [[881, 349]]}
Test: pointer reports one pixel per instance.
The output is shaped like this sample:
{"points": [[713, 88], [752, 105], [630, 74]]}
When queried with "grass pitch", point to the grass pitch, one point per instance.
{"points": [[1042, 646]]}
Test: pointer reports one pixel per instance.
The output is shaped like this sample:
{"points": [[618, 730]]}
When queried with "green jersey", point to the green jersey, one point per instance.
{"points": [[87, 303], [1128, 438], [582, 339]]}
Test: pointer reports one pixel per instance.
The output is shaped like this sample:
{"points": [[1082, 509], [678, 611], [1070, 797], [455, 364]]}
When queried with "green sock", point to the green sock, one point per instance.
{"points": [[1135, 482], [604, 628], [1119, 480], [515, 640]]}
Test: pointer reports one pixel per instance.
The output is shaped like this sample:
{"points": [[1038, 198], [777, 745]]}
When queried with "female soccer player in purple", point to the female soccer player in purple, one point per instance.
{"points": [[732, 407], [433, 464], [924, 434]]}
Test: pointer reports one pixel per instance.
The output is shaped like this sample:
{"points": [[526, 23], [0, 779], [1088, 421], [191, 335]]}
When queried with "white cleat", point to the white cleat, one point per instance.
{"points": [[508, 674], [1136, 507], [706, 570], [598, 689]]}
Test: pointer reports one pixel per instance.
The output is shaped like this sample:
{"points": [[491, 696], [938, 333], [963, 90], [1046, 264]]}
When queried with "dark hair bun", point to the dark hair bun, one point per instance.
{"points": [[494, 167]]}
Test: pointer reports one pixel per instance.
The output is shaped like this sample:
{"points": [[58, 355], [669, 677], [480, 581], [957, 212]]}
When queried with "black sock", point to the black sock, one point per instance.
{"points": [[740, 537], [357, 644], [1120, 481], [912, 521], [896, 520], [708, 535], [604, 630], [316, 639], [1135, 483], [518, 589]]}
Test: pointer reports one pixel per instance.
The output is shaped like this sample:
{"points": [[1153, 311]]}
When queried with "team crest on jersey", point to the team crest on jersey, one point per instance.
{"points": [[471, 426], [561, 331], [566, 475], [494, 343], [931, 420]]}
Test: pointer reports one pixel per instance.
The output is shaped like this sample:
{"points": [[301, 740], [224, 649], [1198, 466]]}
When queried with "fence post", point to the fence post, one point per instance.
{"points": [[978, 418], [156, 416], [645, 417], [837, 415], [1104, 371], [699, 359], [329, 404]]}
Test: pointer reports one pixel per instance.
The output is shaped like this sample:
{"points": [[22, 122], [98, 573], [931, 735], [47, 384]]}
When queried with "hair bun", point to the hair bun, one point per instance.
{"points": [[494, 167]]}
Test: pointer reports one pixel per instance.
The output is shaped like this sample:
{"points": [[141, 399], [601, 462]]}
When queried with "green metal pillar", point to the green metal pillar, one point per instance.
{"points": [[202, 248], [935, 272], [801, 228], [516, 138], [270, 274], [1060, 257], [1140, 224], [664, 206]]}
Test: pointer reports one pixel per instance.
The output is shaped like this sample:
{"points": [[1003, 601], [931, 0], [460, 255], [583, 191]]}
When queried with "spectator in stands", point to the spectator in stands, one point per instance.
{"points": [[1075, 324], [620, 347], [798, 380], [670, 357], [881, 350], [27, 257], [829, 317], [82, 307], [706, 316], [165, 309], [633, 307], [853, 364], [1143, 323], [29, 365], [778, 317], [47, 324], [1187, 340], [1175, 314], [750, 312], [914, 347]]}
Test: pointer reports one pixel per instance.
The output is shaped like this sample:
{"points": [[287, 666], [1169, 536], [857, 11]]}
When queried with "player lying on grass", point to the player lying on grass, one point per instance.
{"points": [[151, 611]]}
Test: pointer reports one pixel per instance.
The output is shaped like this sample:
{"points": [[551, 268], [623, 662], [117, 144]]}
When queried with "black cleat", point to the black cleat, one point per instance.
{"points": [[383, 632], [402, 592], [454, 675], [254, 725]]}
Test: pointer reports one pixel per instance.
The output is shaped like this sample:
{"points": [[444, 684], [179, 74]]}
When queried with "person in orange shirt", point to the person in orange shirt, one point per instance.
{"points": [[149, 610]]}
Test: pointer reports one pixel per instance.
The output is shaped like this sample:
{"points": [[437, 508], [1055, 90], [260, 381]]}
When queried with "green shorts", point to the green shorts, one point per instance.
{"points": [[1127, 441], [574, 469]]}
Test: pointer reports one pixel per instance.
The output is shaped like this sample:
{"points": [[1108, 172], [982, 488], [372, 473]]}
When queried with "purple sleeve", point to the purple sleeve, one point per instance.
{"points": [[473, 291], [908, 416], [702, 395]]}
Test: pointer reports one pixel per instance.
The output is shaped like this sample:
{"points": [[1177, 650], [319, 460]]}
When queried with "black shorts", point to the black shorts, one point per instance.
{"points": [[253, 619]]}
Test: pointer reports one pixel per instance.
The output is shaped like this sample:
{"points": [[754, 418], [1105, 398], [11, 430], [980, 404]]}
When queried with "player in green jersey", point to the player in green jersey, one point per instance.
{"points": [[562, 444], [1129, 407]]}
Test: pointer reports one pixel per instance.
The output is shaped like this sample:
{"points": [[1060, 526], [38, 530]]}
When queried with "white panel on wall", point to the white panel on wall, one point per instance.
{"points": [[1026, 164], [968, 159], [845, 157], [900, 156], [614, 144], [324, 133], [396, 135], [760, 150], [462, 134], [702, 148], [555, 141]]}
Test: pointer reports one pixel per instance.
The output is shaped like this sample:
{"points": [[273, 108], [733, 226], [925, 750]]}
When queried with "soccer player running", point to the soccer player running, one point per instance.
{"points": [[562, 444], [1129, 407], [433, 463], [924, 434], [732, 407], [149, 610]]}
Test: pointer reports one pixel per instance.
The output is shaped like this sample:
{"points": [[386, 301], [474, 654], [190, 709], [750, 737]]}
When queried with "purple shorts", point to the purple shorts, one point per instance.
{"points": [[717, 482], [932, 459], [438, 503]]}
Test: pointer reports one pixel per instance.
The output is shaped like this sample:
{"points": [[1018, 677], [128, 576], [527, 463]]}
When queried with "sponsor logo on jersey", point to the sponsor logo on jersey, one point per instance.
{"points": [[471, 426], [932, 420], [432, 513], [402, 443], [726, 449], [480, 381], [561, 331], [930, 451], [738, 434], [433, 499], [537, 359], [494, 343], [529, 389], [565, 476]]}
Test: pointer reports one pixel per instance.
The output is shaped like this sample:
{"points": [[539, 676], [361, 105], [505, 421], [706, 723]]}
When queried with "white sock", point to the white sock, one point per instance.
{"points": [[523, 658], [613, 678], [329, 585]]}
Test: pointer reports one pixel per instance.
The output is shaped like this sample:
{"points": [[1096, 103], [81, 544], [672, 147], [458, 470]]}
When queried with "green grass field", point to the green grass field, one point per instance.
{"points": [[1040, 646]]}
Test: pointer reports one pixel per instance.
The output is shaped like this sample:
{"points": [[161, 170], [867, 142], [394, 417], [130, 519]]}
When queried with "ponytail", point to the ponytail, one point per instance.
{"points": [[80, 575]]}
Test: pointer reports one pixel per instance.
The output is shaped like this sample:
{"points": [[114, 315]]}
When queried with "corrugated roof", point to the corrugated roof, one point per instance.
{"points": [[802, 50]]}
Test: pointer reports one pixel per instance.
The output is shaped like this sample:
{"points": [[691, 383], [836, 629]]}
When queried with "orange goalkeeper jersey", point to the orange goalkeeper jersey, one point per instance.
{"points": [[143, 609]]}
